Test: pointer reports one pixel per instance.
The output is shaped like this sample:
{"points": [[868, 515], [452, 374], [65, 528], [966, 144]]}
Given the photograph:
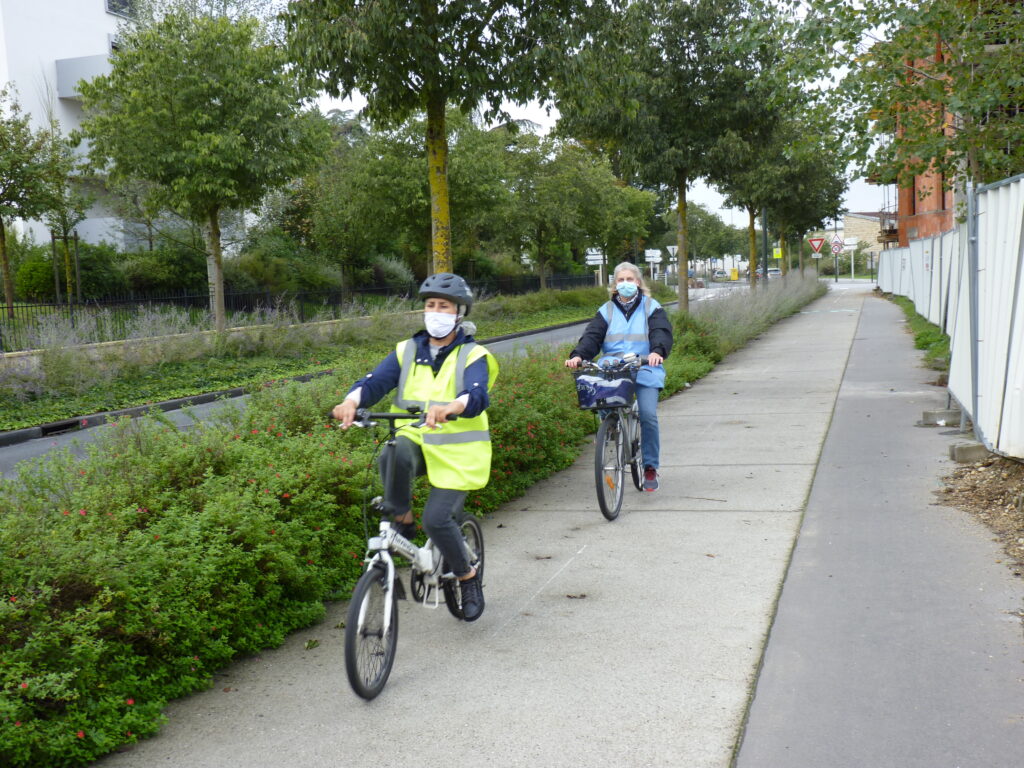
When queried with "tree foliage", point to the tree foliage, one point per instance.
{"points": [[419, 57], [660, 84], [204, 110], [25, 184], [941, 84]]}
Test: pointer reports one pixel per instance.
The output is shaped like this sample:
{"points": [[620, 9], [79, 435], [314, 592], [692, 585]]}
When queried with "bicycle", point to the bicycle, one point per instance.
{"points": [[609, 389], [371, 625]]}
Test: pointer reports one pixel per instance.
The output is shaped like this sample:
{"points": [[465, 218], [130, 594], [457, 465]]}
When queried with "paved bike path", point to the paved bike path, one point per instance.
{"points": [[898, 639], [633, 643]]}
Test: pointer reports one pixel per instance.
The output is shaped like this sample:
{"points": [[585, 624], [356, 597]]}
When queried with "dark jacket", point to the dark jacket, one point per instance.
{"points": [[659, 331]]}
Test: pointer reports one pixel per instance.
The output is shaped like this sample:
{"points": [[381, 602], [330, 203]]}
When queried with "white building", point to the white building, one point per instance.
{"points": [[46, 47]]}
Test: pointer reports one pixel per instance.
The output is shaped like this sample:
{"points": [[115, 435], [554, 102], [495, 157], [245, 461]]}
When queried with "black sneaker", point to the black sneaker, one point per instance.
{"points": [[472, 598], [650, 479]]}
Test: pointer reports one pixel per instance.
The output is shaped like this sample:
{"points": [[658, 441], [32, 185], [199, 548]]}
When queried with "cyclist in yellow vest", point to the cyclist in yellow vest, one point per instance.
{"points": [[441, 370]]}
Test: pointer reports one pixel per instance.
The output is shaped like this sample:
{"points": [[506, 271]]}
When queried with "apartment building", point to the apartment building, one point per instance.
{"points": [[46, 47]]}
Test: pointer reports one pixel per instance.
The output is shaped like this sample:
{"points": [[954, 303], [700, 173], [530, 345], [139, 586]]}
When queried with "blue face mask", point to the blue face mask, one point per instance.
{"points": [[626, 290]]}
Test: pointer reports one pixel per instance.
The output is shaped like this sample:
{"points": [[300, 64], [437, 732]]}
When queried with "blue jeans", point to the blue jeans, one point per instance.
{"points": [[650, 437]]}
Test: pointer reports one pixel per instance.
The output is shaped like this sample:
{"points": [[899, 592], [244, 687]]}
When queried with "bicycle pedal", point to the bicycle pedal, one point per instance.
{"points": [[377, 503]]}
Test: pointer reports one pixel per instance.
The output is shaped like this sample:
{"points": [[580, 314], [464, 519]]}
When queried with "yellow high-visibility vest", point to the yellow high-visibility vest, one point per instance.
{"points": [[458, 455]]}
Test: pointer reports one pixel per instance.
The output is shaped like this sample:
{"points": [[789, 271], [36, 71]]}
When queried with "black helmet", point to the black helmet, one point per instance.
{"points": [[445, 285]]}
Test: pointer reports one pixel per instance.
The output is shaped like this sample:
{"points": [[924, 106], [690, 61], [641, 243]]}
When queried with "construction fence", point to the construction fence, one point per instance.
{"points": [[970, 282]]}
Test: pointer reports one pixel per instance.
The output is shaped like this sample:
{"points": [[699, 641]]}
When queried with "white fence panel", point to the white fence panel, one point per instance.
{"points": [[935, 273]]}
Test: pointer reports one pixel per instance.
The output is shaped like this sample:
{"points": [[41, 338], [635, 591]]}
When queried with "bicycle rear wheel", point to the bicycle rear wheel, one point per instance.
{"points": [[369, 650], [473, 535], [610, 466]]}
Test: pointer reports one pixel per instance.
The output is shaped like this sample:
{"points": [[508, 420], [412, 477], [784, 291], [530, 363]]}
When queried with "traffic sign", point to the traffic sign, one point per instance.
{"points": [[652, 256], [816, 243], [594, 256], [837, 248], [837, 240]]}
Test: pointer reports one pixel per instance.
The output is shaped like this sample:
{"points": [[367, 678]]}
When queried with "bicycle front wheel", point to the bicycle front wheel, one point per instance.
{"points": [[473, 538], [369, 649], [635, 453], [610, 466]]}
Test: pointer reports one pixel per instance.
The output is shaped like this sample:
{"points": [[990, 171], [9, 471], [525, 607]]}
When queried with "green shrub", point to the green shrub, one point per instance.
{"points": [[170, 269], [97, 267]]}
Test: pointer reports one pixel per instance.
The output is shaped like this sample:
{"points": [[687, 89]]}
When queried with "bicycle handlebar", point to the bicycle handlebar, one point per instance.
{"points": [[367, 418], [628, 361]]}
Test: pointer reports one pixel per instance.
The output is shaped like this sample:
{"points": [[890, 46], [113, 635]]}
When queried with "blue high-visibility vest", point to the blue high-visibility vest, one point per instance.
{"points": [[632, 335]]}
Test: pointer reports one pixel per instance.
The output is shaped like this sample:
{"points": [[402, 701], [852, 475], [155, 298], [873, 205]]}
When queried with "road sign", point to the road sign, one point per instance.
{"points": [[652, 256], [594, 256], [837, 240], [837, 248], [672, 250], [816, 243]]}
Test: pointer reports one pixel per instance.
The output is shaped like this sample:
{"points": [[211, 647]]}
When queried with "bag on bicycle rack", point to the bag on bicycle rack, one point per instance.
{"points": [[606, 389]]}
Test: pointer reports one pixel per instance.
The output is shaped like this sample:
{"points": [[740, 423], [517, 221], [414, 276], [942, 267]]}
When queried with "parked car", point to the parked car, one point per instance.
{"points": [[774, 272], [720, 274]]}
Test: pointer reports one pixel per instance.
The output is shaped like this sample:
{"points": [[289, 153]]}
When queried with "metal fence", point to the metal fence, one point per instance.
{"points": [[970, 282], [34, 325]]}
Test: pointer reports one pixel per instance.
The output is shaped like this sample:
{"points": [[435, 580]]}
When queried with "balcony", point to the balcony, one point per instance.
{"points": [[71, 71]]}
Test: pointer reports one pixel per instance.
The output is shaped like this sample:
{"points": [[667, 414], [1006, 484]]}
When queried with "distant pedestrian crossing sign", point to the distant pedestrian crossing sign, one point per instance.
{"points": [[816, 243]]}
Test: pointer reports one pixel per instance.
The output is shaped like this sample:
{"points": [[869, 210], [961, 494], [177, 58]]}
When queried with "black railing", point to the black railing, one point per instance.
{"points": [[40, 325]]}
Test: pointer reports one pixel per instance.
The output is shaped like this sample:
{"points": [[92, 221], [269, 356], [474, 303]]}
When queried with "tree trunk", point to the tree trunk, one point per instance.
{"points": [[752, 245], [784, 251], [437, 170], [682, 245], [67, 266], [800, 247], [217, 272], [6, 267]]}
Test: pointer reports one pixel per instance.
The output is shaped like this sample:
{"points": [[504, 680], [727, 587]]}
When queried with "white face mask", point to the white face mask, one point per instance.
{"points": [[626, 289], [439, 324]]}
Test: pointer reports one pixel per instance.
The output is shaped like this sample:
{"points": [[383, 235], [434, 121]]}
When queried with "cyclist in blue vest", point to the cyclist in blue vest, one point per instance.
{"points": [[441, 370], [633, 321]]}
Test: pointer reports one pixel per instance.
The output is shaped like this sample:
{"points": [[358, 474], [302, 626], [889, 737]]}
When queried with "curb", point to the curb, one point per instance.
{"points": [[15, 436]]}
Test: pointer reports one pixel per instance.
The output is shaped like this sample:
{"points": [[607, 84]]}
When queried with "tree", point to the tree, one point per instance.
{"points": [[419, 57], [659, 85], [943, 87], [67, 203], [208, 112], [24, 181]]}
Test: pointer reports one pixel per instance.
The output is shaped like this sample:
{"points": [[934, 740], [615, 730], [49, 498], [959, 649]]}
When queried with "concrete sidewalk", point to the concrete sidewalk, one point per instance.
{"points": [[639, 642]]}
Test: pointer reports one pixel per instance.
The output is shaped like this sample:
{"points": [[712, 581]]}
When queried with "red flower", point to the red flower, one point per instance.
{"points": [[130, 702], [65, 512], [80, 734], [17, 723], [156, 537], [81, 512], [14, 598], [255, 432], [24, 685], [286, 495]]}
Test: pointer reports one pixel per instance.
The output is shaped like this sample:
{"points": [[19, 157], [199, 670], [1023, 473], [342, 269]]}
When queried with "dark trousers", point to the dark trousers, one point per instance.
{"points": [[400, 465]]}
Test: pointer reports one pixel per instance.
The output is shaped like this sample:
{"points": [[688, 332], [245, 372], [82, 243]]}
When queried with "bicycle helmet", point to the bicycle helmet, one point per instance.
{"points": [[445, 285]]}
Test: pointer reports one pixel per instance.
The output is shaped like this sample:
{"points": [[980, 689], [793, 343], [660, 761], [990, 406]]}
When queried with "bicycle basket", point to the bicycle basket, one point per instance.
{"points": [[607, 389]]}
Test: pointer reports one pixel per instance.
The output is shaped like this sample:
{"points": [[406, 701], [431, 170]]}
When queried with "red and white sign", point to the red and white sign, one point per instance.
{"points": [[816, 243]]}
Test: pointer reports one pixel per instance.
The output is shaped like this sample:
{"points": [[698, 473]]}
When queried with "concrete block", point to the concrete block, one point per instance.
{"points": [[945, 417], [965, 453]]}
